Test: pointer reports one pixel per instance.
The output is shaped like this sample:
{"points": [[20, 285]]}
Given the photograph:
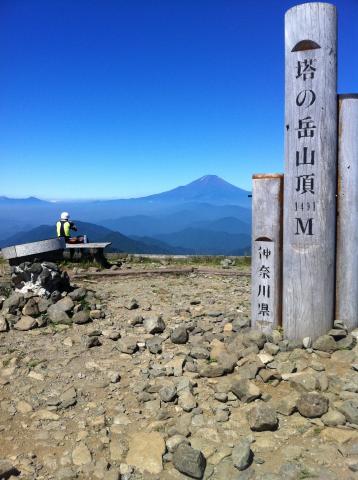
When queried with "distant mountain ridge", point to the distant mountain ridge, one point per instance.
{"points": [[208, 207]]}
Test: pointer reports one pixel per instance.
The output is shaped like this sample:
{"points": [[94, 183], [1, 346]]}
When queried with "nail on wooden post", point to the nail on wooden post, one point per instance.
{"points": [[347, 207], [310, 170], [266, 251]]}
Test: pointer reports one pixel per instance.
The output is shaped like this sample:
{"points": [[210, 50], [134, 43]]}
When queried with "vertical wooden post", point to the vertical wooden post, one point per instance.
{"points": [[347, 207], [310, 170], [266, 254]]}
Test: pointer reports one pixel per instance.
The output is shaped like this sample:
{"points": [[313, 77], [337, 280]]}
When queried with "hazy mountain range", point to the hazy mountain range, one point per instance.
{"points": [[207, 216]]}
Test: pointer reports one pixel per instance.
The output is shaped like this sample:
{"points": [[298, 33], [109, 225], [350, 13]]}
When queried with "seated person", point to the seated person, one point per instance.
{"points": [[63, 229]]}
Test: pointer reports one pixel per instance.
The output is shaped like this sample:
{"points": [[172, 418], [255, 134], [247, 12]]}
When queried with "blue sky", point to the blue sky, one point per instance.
{"points": [[114, 98]]}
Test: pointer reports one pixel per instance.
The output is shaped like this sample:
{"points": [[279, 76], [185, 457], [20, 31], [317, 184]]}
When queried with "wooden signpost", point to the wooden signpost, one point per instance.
{"points": [[266, 251], [347, 206], [310, 170]]}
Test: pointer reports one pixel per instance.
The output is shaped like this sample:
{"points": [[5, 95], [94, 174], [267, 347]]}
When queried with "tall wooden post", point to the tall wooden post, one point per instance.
{"points": [[347, 206], [266, 251], [310, 170]]}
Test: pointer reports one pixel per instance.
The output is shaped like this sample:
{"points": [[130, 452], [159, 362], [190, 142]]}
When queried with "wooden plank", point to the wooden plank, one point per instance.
{"points": [[266, 257], [347, 207], [310, 169]]}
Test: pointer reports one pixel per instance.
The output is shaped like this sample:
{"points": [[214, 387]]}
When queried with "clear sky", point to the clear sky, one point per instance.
{"points": [[119, 98]]}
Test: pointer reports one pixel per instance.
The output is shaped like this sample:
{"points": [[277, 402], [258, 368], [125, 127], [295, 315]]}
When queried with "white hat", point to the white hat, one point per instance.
{"points": [[65, 216]]}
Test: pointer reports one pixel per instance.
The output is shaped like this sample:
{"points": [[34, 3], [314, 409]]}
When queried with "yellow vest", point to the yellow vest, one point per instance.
{"points": [[63, 228]]}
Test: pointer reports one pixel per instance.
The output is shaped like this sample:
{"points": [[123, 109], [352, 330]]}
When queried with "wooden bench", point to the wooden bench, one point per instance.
{"points": [[93, 251]]}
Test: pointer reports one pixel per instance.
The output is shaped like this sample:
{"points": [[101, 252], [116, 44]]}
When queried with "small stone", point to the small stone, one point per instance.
{"points": [[337, 333], [173, 442], [349, 409], [179, 335], [93, 342], [81, 455], [187, 401], [312, 405], [96, 314], [154, 345], [25, 323], [262, 417], [168, 393], [287, 406], [78, 294], [271, 348], [242, 455], [154, 324], [189, 461], [132, 304], [81, 317], [333, 418], [31, 308], [212, 370], [307, 342], [245, 390], [127, 345]]}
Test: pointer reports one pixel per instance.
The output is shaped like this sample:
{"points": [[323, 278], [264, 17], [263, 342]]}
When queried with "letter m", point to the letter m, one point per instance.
{"points": [[306, 229]]}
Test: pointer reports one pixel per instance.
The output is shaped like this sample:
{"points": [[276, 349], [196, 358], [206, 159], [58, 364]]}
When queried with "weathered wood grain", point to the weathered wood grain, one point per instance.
{"points": [[266, 251], [310, 169], [347, 208]]}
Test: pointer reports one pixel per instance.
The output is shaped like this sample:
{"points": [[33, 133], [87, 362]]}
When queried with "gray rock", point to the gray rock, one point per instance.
{"points": [[127, 345], [14, 301], [255, 337], [271, 348], [337, 333], [245, 390], [262, 417], [154, 324], [25, 323], [132, 305], [242, 455], [307, 342], [187, 401], [349, 408], [325, 343], [31, 308], [287, 405], [3, 324], [57, 315], [312, 405], [347, 343], [78, 294], [93, 342], [333, 418], [200, 353], [189, 461], [65, 304], [154, 344], [179, 335], [43, 304], [211, 370], [136, 320], [68, 398], [81, 317], [168, 393]]}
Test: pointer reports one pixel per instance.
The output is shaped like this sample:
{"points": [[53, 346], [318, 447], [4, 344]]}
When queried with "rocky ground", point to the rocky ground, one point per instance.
{"points": [[160, 377]]}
